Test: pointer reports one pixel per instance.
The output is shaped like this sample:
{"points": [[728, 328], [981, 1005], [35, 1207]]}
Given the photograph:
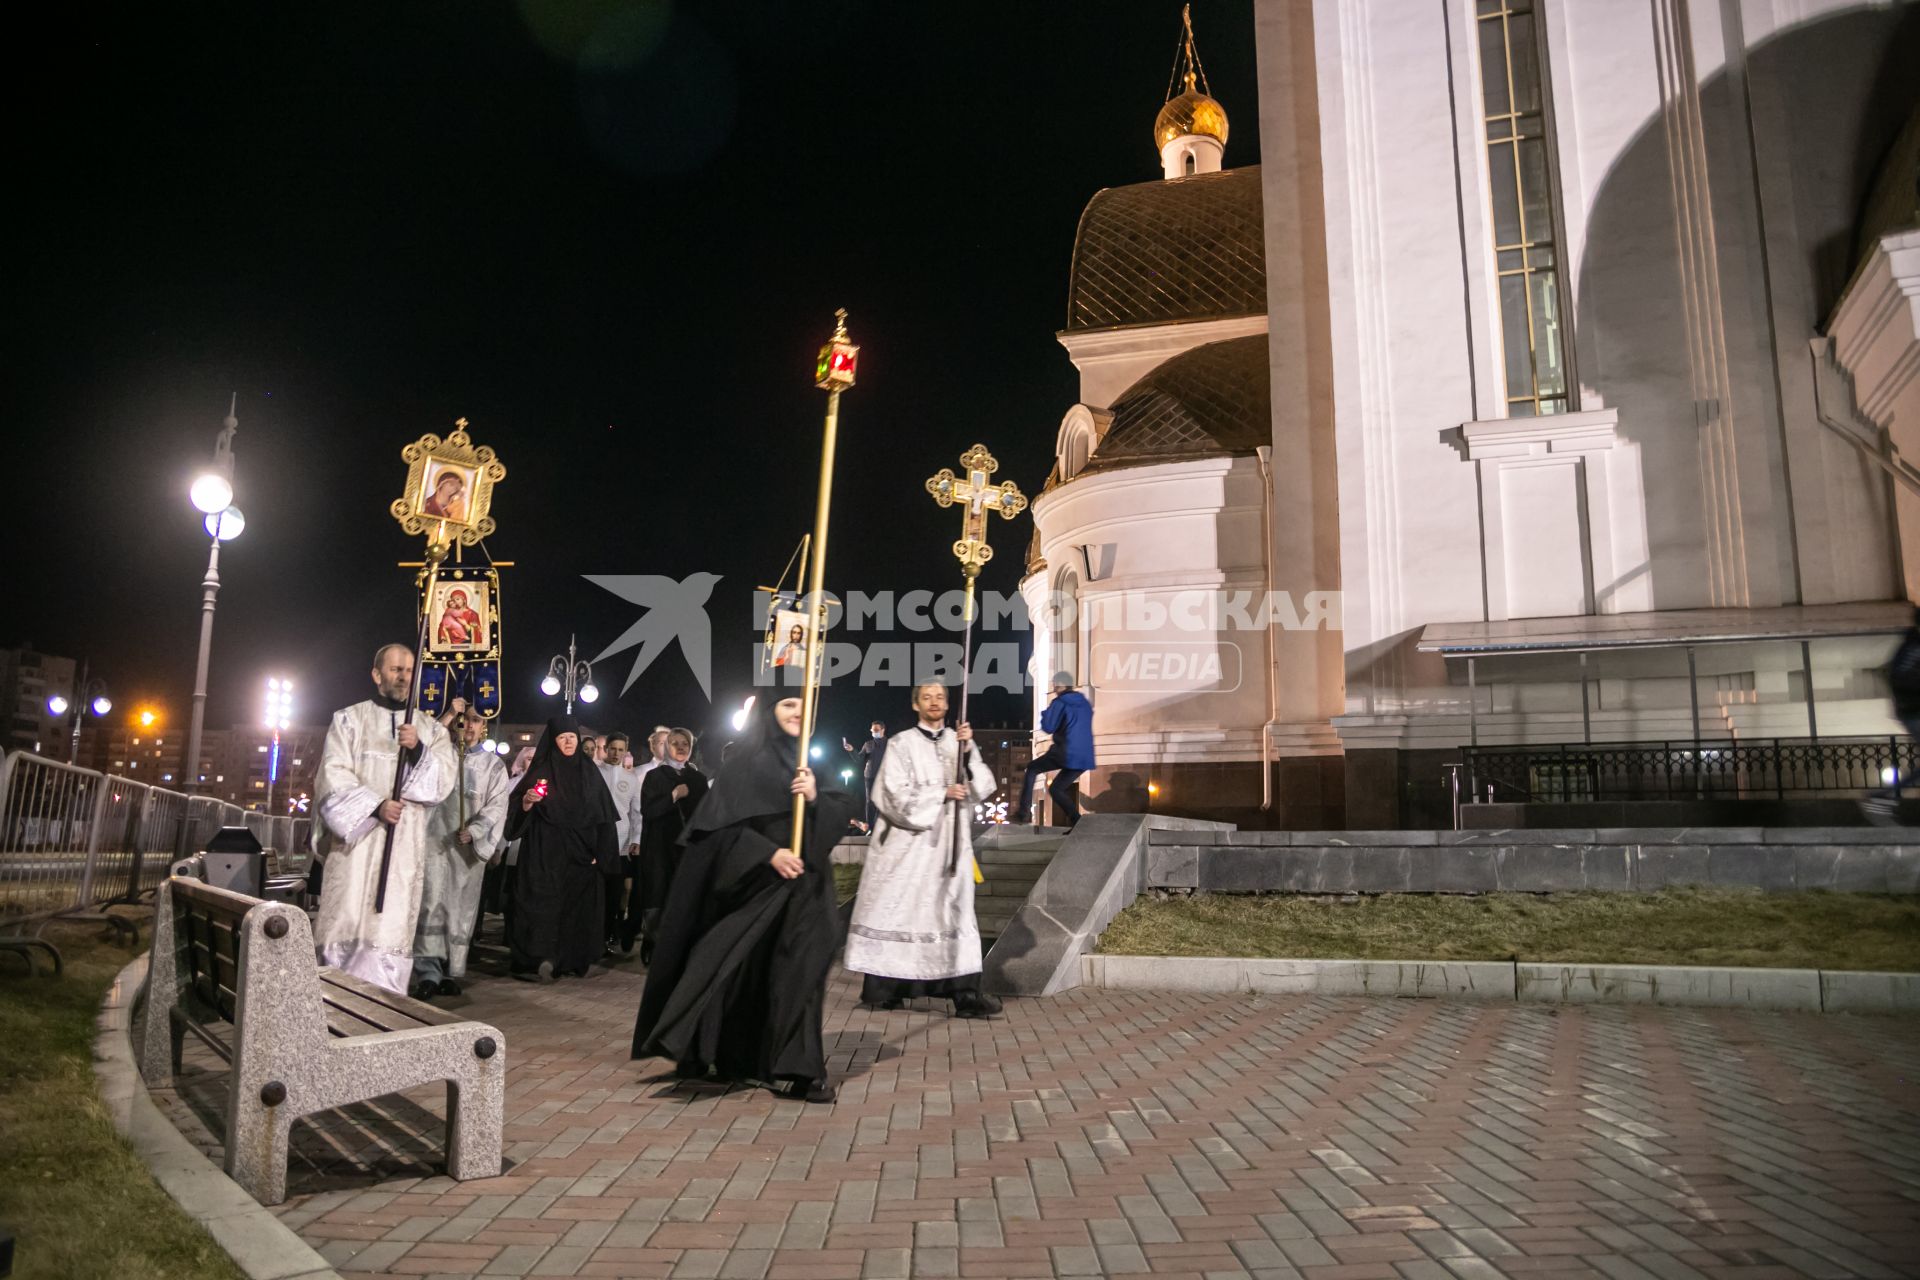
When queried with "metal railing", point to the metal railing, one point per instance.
{"points": [[74, 839], [1729, 769]]}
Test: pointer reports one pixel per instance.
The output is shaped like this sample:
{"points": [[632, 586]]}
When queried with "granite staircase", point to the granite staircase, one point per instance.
{"points": [[1011, 858]]}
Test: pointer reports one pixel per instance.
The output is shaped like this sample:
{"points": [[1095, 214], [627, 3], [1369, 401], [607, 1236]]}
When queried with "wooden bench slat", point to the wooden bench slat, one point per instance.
{"points": [[377, 1003]]}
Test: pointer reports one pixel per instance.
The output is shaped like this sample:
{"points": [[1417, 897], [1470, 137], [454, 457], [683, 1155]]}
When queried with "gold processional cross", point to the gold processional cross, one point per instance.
{"points": [[980, 496]]}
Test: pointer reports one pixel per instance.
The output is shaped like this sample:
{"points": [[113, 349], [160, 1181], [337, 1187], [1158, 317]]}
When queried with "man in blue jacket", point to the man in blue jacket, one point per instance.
{"points": [[1069, 718]]}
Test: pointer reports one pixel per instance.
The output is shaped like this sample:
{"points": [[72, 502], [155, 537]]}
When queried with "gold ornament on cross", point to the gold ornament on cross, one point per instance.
{"points": [[979, 495]]}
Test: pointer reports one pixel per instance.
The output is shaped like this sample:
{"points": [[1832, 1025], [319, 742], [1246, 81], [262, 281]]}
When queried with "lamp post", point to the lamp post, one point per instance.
{"points": [[572, 675], [279, 716], [212, 493], [88, 695]]}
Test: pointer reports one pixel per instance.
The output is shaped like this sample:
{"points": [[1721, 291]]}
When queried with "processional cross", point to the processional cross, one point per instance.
{"points": [[979, 496]]}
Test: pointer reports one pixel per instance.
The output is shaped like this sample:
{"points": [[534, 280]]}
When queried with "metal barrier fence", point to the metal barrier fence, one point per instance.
{"points": [[1748, 769], [73, 838]]}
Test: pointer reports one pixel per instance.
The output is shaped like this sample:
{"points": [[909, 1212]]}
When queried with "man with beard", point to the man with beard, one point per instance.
{"points": [[913, 931], [353, 794]]}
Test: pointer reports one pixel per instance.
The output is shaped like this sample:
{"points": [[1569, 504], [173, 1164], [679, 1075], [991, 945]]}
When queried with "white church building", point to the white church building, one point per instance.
{"points": [[1552, 379]]}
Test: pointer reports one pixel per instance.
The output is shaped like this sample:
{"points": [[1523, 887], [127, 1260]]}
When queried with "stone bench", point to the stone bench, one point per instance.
{"points": [[240, 974]]}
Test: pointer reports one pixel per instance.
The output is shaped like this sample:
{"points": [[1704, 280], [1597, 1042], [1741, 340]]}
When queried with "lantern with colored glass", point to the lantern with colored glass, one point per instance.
{"points": [[838, 360]]}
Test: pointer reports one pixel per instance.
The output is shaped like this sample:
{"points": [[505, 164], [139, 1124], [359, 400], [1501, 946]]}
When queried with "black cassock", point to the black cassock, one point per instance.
{"points": [[566, 842], [663, 822], [738, 980]]}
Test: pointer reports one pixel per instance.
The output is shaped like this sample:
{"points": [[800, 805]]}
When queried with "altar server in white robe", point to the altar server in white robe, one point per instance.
{"points": [[353, 794], [913, 931], [464, 835]]}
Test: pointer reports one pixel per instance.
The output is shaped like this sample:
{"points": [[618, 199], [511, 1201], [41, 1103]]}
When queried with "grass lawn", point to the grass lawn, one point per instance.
{"points": [[846, 880], [80, 1204], [1808, 930]]}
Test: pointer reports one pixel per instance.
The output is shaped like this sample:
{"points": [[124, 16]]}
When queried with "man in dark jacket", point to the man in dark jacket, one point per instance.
{"points": [[870, 753], [1903, 675], [1069, 718]]}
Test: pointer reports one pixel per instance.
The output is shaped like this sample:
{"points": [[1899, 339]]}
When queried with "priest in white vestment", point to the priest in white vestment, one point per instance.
{"points": [[465, 833], [913, 931], [354, 797]]}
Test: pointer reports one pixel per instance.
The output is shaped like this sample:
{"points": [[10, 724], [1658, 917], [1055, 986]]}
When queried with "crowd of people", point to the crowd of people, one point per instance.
{"points": [[587, 848]]}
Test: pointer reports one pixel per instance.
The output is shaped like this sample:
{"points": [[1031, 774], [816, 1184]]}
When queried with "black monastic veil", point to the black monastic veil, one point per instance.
{"points": [[738, 982], [567, 839]]}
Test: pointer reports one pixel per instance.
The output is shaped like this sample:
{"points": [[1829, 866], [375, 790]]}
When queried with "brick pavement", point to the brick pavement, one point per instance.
{"points": [[1112, 1133]]}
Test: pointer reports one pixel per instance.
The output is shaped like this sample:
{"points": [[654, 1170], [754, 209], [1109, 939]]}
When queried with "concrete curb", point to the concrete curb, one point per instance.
{"points": [[257, 1241], [1802, 990]]}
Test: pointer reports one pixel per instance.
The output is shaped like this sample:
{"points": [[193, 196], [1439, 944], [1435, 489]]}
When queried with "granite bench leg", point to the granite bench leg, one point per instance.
{"points": [[160, 1043], [474, 1113], [259, 1139]]}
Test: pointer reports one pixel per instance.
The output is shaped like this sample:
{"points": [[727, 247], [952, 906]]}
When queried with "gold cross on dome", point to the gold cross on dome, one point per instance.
{"points": [[979, 496], [460, 423]]}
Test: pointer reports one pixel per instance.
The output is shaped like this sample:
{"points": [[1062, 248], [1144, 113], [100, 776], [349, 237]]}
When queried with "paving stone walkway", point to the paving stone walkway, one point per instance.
{"points": [[1115, 1133]]}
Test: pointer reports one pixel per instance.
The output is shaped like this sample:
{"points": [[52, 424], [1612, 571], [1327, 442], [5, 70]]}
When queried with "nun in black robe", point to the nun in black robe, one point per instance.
{"points": [[738, 983], [568, 840]]}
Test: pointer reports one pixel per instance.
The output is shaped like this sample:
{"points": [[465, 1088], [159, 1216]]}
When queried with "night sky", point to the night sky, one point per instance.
{"points": [[612, 236]]}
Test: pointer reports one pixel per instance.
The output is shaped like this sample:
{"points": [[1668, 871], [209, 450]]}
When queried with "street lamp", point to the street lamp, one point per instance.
{"points": [[739, 720], [571, 674], [212, 493], [279, 716], [87, 695]]}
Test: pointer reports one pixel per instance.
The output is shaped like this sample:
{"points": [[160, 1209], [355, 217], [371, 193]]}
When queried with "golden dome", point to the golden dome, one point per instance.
{"points": [[1193, 112]]}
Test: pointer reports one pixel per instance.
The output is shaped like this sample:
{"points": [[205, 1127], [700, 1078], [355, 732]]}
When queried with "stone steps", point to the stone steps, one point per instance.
{"points": [[1012, 860]]}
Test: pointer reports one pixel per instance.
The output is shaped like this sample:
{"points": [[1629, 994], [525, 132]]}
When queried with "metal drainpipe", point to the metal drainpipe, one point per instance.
{"points": [[1265, 454]]}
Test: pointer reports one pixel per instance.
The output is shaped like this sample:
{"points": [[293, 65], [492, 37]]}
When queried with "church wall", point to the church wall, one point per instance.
{"points": [[1144, 544], [1306, 480], [1695, 229]]}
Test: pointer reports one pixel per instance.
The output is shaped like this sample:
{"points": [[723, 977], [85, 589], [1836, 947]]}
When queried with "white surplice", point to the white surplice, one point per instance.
{"points": [[450, 899], [912, 918], [626, 795], [356, 774]]}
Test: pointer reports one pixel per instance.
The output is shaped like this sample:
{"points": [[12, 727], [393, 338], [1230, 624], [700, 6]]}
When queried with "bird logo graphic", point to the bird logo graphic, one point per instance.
{"points": [[674, 611]]}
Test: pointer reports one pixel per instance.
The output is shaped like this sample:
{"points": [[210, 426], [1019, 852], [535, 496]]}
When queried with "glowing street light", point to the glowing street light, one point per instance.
{"points": [[87, 695], [225, 526], [279, 715], [212, 493], [739, 719], [572, 674]]}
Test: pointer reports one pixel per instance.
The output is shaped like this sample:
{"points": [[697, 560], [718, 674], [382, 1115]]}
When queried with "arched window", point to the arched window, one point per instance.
{"points": [[1064, 622], [1074, 445], [1189, 164]]}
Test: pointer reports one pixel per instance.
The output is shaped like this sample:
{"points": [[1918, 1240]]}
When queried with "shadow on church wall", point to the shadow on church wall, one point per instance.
{"points": [[1842, 86]]}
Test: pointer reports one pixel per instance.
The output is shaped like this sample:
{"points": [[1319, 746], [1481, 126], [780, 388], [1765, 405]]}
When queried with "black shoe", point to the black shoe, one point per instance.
{"points": [[646, 953], [447, 987], [976, 1004], [815, 1091], [422, 990], [885, 1006]]}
